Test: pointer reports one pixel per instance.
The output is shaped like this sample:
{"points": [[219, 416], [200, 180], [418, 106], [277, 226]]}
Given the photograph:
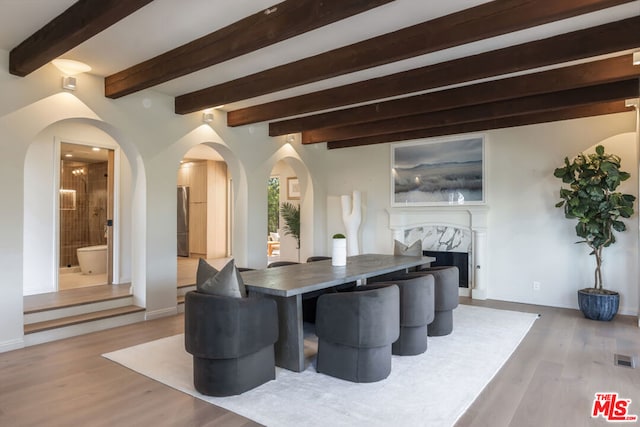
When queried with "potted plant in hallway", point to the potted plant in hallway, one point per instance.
{"points": [[291, 216], [592, 199]]}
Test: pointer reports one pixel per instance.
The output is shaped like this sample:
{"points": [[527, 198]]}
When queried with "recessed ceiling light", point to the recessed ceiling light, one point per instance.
{"points": [[68, 155], [96, 149]]}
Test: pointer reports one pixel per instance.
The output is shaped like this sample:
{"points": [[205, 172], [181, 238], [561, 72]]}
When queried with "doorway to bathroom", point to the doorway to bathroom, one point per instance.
{"points": [[86, 195]]}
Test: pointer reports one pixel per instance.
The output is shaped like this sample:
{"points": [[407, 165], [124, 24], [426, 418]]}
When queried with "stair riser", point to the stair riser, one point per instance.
{"points": [[60, 313], [82, 328], [184, 290]]}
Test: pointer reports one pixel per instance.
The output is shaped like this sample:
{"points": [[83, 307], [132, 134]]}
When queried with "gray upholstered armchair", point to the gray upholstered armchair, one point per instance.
{"points": [[231, 340], [416, 312], [355, 332], [447, 282]]}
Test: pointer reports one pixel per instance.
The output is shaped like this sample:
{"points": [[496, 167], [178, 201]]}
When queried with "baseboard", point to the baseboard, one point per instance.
{"points": [[464, 292], [157, 314], [11, 345], [479, 294]]}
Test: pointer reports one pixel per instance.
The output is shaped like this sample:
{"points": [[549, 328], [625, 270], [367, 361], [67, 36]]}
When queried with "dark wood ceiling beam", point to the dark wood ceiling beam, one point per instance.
{"points": [[484, 21], [272, 25], [83, 20], [588, 74], [603, 39], [528, 119], [507, 108]]}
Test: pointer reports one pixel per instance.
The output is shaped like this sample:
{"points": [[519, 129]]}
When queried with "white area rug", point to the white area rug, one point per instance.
{"points": [[432, 389]]}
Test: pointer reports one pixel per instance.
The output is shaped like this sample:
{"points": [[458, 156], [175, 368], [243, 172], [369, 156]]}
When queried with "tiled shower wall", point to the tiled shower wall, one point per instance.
{"points": [[84, 225]]}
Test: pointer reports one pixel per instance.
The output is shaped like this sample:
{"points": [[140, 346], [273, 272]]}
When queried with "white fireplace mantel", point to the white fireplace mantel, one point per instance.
{"points": [[470, 217]]}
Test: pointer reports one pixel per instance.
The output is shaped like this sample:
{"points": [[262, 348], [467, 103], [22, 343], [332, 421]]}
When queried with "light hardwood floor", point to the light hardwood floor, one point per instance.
{"points": [[549, 381]]}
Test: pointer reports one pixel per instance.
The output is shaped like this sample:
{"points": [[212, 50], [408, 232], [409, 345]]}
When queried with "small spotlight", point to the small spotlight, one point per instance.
{"points": [[95, 149], [69, 83], [207, 117]]}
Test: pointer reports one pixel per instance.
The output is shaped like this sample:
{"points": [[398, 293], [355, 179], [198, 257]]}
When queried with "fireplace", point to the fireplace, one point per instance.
{"points": [[458, 259], [456, 231]]}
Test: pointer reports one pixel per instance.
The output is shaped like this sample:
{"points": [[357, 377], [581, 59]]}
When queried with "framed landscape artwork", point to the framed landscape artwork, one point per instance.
{"points": [[438, 172]]}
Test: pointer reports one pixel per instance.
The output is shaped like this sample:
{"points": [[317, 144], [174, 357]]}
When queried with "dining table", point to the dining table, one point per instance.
{"points": [[288, 284]]}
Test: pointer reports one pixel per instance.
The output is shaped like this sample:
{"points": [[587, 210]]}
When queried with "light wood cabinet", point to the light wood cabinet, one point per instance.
{"points": [[198, 182], [198, 229], [207, 181]]}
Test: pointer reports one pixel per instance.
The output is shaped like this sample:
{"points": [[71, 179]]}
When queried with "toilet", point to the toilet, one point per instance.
{"points": [[93, 259]]}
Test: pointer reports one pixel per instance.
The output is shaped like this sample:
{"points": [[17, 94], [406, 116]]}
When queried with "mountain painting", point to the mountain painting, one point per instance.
{"points": [[439, 172]]}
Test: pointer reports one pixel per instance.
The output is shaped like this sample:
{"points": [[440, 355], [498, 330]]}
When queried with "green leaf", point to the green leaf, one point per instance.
{"points": [[618, 226], [291, 216]]}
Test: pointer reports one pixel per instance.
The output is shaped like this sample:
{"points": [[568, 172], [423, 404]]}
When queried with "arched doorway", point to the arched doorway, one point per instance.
{"points": [[205, 209], [48, 233], [283, 226]]}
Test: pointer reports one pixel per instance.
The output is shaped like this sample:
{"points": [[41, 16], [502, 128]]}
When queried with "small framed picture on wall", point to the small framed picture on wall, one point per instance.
{"points": [[293, 188]]}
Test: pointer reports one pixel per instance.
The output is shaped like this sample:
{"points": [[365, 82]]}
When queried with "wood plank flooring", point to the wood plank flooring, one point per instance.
{"points": [[552, 377], [549, 381]]}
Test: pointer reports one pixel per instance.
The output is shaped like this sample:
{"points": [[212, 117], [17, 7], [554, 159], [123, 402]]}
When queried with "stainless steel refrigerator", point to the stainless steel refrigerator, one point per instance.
{"points": [[183, 220]]}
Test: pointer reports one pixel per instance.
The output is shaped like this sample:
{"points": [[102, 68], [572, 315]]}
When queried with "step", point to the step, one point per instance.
{"points": [[81, 318], [51, 330], [73, 297], [186, 287], [51, 314]]}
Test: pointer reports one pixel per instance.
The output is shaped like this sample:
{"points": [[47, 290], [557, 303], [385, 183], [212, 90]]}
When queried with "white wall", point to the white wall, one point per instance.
{"points": [[154, 140], [529, 239]]}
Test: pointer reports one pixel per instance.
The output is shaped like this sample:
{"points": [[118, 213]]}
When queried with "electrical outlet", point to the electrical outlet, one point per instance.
{"points": [[536, 286]]}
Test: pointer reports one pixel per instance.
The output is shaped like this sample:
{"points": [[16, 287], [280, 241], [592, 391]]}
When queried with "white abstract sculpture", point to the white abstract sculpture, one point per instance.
{"points": [[352, 216]]}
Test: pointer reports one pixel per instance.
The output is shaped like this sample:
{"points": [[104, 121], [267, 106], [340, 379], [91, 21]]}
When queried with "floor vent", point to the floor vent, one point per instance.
{"points": [[626, 361]]}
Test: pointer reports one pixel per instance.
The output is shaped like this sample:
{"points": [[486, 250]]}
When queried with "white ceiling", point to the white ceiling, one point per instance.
{"points": [[165, 24]]}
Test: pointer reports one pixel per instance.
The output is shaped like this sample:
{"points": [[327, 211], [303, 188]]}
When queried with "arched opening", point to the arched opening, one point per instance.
{"points": [[51, 239], [295, 194], [204, 211]]}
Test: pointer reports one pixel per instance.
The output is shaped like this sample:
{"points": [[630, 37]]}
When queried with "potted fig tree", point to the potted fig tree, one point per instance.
{"points": [[592, 199]]}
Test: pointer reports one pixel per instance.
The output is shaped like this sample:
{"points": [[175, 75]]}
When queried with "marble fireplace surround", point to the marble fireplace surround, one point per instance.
{"points": [[449, 229]]}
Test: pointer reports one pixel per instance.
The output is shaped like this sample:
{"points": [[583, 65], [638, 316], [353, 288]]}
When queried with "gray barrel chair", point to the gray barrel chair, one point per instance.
{"points": [[231, 340], [355, 333], [447, 282], [416, 312]]}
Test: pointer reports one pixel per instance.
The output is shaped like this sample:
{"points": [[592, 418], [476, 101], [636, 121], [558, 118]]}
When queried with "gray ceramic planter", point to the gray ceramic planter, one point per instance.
{"points": [[598, 306]]}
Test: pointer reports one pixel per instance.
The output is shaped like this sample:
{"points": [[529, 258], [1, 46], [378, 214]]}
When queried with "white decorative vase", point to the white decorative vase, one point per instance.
{"points": [[339, 253]]}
